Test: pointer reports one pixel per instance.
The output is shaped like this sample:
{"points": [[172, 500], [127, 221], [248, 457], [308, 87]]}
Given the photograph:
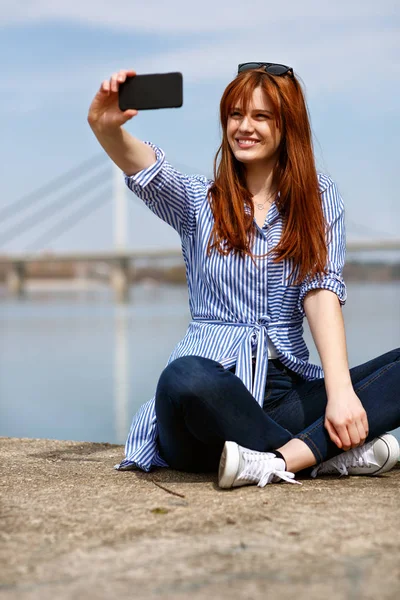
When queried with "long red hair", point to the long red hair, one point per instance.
{"points": [[295, 177]]}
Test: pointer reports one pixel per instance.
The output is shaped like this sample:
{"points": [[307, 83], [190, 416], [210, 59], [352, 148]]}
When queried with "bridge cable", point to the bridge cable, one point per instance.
{"points": [[48, 211], [61, 180], [71, 220]]}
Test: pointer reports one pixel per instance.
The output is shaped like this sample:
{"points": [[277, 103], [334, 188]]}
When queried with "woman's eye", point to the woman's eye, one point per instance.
{"points": [[259, 115]]}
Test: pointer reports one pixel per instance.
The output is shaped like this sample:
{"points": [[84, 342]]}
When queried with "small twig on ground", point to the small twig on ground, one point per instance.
{"points": [[167, 490]]}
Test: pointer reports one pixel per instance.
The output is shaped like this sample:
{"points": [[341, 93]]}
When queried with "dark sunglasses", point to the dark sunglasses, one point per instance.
{"points": [[272, 68]]}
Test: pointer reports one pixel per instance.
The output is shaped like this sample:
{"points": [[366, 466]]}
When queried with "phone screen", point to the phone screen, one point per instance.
{"points": [[154, 90]]}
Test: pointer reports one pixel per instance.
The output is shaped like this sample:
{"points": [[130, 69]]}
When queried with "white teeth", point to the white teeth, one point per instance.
{"points": [[249, 142]]}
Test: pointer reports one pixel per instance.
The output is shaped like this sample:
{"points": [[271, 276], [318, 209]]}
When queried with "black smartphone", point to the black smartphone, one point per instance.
{"points": [[155, 90]]}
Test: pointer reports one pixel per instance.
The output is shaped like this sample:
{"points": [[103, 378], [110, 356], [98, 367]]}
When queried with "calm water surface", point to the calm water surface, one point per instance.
{"points": [[75, 366]]}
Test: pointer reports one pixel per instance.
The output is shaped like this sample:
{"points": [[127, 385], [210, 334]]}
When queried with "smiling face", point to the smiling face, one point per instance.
{"points": [[254, 137]]}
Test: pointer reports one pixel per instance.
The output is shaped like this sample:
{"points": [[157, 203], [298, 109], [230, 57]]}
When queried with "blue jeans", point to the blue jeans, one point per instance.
{"points": [[200, 405]]}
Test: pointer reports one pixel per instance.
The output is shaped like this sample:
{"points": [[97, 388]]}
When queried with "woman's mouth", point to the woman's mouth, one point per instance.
{"points": [[246, 143]]}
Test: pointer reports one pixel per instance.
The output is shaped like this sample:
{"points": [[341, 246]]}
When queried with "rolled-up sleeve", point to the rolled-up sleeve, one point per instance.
{"points": [[169, 194], [333, 207]]}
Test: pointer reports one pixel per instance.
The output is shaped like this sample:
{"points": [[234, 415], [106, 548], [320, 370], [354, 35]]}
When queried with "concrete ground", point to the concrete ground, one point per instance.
{"points": [[72, 527]]}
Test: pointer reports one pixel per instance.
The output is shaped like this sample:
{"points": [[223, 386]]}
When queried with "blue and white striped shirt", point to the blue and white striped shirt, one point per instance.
{"points": [[237, 309]]}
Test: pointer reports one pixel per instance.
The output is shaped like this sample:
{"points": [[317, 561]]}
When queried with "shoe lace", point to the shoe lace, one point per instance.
{"points": [[356, 457], [261, 467]]}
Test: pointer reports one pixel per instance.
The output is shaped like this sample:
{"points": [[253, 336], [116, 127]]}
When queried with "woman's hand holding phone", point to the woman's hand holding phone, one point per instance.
{"points": [[104, 112], [106, 119]]}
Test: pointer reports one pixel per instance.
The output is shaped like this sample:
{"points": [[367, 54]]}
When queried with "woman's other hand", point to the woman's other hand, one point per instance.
{"points": [[104, 112], [346, 420]]}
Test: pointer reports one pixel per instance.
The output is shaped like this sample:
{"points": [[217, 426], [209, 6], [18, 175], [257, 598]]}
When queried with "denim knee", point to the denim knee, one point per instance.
{"points": [[188, 377], [396, 353], [392, 355]]}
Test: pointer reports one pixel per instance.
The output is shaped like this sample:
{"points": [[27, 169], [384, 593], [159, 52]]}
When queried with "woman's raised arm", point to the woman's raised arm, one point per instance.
{"points": [[106, 119]]}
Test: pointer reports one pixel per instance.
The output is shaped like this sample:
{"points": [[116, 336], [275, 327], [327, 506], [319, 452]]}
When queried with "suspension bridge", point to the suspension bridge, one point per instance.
{"points": [[55, 209]]}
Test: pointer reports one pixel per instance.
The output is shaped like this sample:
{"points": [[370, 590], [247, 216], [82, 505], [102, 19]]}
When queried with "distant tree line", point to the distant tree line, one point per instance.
{"points": [[353, 271]]}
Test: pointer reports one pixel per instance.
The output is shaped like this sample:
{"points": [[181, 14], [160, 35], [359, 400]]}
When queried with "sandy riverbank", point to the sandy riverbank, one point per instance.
{"points": [[73, 527]]}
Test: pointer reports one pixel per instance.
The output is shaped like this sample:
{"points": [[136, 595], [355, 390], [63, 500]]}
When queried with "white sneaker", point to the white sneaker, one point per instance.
{"points": [[241, 466], [373, 458]]}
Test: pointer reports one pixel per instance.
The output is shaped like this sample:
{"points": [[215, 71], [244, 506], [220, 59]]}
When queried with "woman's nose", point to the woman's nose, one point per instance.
{"points": [[245, 125]]}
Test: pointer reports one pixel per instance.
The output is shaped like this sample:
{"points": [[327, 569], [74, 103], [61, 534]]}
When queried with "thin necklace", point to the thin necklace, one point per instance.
{"points": [[261, 206]]}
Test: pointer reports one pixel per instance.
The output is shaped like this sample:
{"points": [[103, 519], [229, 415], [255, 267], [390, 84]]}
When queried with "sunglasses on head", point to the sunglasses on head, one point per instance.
{"points": [[271, 68]]}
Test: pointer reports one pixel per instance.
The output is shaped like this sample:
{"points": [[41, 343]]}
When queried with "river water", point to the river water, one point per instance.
{"points": [[75, 366]]}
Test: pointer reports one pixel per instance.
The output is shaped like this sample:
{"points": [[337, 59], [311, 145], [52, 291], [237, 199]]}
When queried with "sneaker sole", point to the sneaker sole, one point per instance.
{"points": [[393, 450], [228, 465]]}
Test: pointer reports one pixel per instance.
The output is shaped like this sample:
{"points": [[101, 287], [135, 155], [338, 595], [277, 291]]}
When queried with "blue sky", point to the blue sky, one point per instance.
{"points": [[56, 54]]}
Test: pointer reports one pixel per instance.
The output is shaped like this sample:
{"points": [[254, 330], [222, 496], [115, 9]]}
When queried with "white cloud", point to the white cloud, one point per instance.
{"points": [[181, 16], [335, 47], [359, 64], [339, 60]]}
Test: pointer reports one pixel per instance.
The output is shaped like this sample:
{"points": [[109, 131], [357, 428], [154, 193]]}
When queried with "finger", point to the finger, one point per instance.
{"points": [[122, 75], [344, 437], [129, 113], [105, 86], [364, 421], [333, 434], [354, 435], [361, 432], [113, 82]]}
